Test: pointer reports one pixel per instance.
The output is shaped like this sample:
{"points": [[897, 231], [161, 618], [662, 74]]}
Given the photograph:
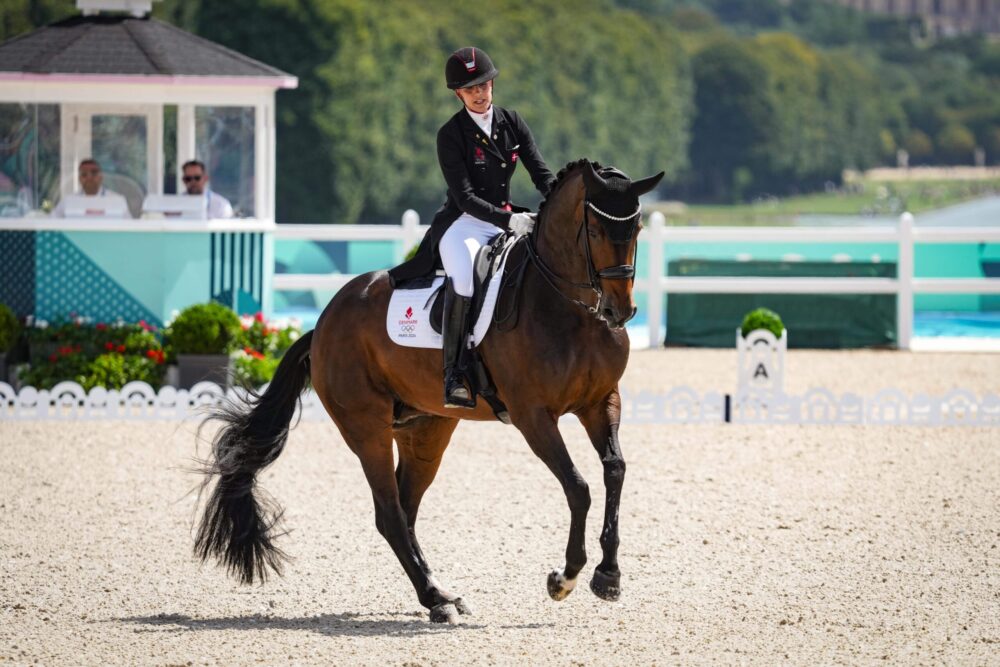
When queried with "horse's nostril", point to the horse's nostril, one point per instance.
{"points": [[609, 314]]}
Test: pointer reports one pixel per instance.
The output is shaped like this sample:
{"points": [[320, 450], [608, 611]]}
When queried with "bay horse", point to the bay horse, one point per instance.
{"points": [[565, 355]]}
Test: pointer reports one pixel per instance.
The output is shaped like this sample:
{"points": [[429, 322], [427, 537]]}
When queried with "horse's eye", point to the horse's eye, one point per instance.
{"points": [[593, 233]]}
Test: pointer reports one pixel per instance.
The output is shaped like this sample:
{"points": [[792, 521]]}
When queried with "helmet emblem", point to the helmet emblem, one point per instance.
{"points": [[470, 66]]}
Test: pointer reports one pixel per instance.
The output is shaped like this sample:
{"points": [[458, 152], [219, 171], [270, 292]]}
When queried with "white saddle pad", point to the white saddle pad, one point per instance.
{"points": [[408, 321]]}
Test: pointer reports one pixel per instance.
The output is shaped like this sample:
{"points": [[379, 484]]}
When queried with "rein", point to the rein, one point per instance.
{"points": [[620, 272]]}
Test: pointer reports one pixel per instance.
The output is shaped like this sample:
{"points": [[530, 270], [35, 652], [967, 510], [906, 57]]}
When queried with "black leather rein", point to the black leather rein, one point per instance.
{"points": [[620, 272]]}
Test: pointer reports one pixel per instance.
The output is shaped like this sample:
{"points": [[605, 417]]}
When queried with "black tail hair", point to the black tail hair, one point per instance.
{"points": [[238, 528]]}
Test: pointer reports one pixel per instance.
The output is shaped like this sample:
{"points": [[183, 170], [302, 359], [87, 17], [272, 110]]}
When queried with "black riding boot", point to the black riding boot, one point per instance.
{"points": [[453, 332]]}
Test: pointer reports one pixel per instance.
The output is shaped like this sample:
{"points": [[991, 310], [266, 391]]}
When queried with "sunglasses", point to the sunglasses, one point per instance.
{"points": [[188, 179]]}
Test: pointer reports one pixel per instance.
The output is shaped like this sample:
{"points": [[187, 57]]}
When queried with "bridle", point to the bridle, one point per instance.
{"points": [[595, 275]]}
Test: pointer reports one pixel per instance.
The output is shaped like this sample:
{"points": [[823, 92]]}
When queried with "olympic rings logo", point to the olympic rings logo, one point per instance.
{"points": [[407, 328]]}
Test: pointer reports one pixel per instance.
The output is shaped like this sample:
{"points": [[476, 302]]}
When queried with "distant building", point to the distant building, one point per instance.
{"points": [[943, 18]]}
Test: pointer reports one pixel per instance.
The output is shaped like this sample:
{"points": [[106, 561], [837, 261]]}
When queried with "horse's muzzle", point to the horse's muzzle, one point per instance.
{"points": [[614, 318]]}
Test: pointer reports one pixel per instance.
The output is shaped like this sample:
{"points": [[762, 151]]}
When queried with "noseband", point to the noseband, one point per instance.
{"points": [[620, 272]]}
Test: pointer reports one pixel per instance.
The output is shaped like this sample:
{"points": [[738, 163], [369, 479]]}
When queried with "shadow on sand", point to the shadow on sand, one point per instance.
{"points": [[333, 625]]}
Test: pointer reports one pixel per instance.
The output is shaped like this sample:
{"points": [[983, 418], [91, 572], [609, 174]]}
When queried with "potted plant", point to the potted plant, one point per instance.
{"points": [[202, 337], [762, 318], [761, 342], [10, 330], [262, 345]]}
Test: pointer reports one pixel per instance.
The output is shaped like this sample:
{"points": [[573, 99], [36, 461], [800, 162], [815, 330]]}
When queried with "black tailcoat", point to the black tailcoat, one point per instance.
{"points": [[477, 168]]}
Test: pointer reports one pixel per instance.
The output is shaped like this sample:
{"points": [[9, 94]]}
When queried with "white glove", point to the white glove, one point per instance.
{"points": [[522, 223]]}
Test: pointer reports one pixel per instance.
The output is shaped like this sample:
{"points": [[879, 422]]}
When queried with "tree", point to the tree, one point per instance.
{"points": [[919, 146], [734, 117], [955, 144]]}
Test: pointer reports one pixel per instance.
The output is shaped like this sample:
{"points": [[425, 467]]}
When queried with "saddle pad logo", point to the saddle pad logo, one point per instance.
{"points": [[407, 325]]}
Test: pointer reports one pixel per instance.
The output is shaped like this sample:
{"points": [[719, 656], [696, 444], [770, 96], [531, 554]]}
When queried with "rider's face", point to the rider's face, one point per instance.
{"points": [[477, 98]]}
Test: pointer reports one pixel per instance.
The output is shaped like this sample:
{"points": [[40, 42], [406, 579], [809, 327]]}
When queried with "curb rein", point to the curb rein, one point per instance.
{"points": [[620, 272]]}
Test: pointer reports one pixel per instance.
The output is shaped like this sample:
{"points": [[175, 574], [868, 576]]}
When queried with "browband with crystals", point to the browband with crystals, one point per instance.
{"points": [[614, 218]]}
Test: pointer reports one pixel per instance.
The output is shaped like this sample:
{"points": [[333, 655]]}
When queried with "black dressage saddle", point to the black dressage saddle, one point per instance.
{"points": [[488, 261]]}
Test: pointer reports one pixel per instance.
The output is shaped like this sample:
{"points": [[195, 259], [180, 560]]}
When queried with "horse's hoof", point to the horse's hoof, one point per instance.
{"points": [[559, 586], [606, 586], [463, 608], [444, 613]]}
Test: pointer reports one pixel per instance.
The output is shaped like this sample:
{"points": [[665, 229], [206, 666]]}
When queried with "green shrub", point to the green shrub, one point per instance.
{"points": [[762, 318], [114, 371], [10, 328], [206, 328], [67, 362]]}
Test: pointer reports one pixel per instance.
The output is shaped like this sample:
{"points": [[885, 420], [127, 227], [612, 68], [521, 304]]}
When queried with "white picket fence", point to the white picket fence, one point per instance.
{"points": [[657, 285], [679, 405]]}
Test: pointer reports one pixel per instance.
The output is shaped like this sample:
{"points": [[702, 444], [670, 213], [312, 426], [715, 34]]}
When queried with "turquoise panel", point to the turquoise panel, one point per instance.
{"points": [[70, 282], [365, 256]]}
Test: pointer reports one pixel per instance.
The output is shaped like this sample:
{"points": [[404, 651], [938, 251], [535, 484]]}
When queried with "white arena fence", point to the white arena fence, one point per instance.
{"points": [[656, 233], [680, 405]]}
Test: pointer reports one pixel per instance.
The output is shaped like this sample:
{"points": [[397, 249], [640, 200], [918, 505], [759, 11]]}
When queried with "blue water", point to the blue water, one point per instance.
{"points": [[930, 324]]}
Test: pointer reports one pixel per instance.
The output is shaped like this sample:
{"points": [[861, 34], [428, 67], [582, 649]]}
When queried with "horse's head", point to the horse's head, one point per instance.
{"points": [[608, 222]]}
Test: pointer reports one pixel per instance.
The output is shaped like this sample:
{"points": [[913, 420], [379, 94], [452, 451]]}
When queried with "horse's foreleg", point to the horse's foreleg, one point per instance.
{"points": [[421, 445], [601, 422], [540, 430]]}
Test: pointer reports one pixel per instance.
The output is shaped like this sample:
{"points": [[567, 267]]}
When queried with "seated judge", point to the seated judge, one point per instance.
{"points": [[91, 185], [196, 182]]}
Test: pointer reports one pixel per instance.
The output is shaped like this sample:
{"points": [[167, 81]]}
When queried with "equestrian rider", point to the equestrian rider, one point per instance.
{"points": [[478, 149]]}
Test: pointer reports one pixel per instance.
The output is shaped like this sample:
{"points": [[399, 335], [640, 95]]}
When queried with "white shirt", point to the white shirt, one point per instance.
{"points": [[217, 206], [60, 210], [483, 120]]}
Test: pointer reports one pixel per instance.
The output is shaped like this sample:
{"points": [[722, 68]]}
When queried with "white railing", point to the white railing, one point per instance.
{"points": [[658, 284]]}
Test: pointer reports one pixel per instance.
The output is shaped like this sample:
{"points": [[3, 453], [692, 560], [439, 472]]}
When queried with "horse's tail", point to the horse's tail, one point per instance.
{"points": [[237, 528]]}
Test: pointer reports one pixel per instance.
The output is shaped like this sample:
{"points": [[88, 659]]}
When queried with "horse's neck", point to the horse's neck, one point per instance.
{"points": [[559, 242]]}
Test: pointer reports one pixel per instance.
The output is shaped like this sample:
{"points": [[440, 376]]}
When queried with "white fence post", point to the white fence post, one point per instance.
{"points": [[654, 294], [904, 276], [411, 233]]}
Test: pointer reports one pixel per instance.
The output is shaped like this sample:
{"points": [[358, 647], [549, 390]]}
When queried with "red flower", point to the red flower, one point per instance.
{"points": [[142, 323], [121, 348], [109, 346], [151, 354], [259, 317], [101, 326], [53, 358]]}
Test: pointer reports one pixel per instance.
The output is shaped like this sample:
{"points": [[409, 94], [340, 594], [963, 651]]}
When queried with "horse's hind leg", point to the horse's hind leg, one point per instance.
{"points": [[601, 422], [370, 437], [421, 444]]}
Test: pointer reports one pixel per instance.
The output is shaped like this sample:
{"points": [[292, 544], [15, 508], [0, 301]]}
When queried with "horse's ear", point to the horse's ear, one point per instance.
{"points": [[644, 185], [592, 181]]}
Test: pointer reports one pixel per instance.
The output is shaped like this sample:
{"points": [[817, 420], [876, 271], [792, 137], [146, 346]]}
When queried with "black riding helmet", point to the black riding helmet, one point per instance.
{"points": [[468, 66]]}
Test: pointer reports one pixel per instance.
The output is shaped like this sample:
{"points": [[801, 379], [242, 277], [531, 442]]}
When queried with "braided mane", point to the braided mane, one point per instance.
{"points": [[562, 177]]}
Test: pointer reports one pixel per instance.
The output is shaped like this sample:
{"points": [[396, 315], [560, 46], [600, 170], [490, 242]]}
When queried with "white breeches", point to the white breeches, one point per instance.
{"points": [[458, 248]]}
